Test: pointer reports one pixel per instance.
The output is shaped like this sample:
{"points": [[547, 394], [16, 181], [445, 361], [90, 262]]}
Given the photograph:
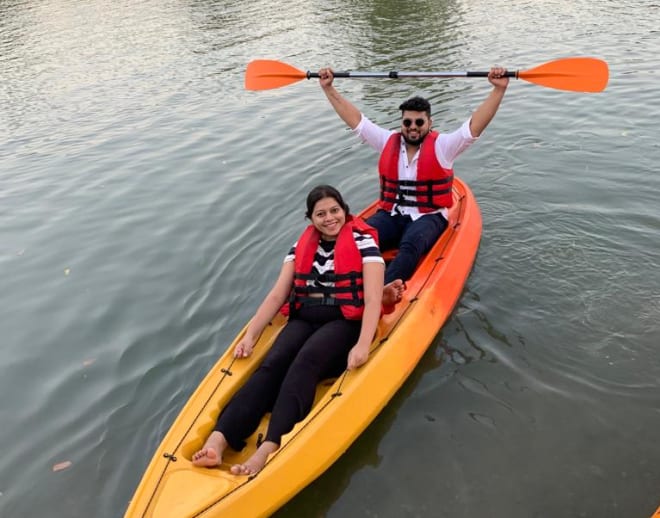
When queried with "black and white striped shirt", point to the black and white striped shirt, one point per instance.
{"points": [[324, 258]]}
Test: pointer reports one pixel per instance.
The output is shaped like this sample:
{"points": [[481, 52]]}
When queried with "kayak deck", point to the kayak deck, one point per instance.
{"points": [[343, 408]]}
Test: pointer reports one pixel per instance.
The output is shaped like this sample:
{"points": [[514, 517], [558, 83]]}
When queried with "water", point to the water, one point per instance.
{"points": [[146, 200]]}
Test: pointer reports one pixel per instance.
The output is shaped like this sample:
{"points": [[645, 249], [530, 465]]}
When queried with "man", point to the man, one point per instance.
{"points": [[416, 169]]}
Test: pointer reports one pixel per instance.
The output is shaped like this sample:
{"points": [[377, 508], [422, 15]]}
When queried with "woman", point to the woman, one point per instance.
{"points": [[333, 281]]}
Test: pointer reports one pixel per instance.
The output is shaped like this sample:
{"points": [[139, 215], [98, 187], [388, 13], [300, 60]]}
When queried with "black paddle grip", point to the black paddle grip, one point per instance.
{"points": [[509, 73], [311, 75]]}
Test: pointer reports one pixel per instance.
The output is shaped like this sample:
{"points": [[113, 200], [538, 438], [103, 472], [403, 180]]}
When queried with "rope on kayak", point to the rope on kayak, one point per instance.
{"points": [[171, 457]]}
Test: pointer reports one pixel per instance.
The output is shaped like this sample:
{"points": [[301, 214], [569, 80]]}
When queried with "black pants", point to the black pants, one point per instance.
{"points": [[412, 238], [313, 345]]}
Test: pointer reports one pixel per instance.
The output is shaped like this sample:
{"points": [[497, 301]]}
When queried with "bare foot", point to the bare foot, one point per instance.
{"points": [[211, 454], [392, 292], [258, 460]]}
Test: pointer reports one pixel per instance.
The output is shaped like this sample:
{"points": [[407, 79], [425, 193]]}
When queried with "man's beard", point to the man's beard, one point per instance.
{"points": [[414, 142]]}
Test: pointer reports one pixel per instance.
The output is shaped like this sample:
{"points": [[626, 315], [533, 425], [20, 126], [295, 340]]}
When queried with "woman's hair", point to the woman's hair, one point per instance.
{"points": [[323, 191]]}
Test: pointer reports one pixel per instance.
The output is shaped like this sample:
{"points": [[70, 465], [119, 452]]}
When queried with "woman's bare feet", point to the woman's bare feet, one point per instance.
{"points": [[211, 454], [254, 464], [392, 292]]}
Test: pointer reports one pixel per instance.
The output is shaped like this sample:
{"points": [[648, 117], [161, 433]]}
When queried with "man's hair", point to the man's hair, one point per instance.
{"points": [[416, 104]]}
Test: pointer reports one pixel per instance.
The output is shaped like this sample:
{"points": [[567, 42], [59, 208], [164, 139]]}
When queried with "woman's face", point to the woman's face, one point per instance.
{"points": [[328, 217]]}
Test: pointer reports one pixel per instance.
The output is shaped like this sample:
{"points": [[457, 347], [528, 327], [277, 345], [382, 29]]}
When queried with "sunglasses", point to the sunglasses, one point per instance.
{"points": [[418, 122]]}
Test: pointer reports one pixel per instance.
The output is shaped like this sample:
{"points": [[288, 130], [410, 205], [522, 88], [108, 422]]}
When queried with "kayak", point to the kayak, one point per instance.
{"points": [[172, 487], [656, 514]]}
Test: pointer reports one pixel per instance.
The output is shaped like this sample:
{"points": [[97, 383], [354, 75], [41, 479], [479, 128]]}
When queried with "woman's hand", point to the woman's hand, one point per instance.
{"points": [[358, 356], [244, 348]]}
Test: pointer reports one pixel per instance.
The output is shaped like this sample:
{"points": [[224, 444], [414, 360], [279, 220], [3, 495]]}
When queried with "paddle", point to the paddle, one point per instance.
{"points": [[580, 74]]}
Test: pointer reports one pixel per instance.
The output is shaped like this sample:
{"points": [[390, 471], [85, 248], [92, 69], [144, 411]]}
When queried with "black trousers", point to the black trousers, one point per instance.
{"points": [[313, 345], [412, 238]]}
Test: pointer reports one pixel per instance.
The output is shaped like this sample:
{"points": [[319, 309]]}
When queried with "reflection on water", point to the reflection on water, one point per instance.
{"points": [[147, 200]]}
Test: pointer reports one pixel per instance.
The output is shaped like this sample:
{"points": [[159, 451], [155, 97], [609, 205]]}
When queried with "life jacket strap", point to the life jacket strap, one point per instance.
{"points": [[414, 193], [303, 294], [327, 301], [329, 277]]}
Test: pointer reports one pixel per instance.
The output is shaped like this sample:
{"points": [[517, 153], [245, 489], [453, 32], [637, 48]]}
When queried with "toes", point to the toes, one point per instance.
{"points": [[242, 469], [198, 455], [238, 469], [206, 457]]}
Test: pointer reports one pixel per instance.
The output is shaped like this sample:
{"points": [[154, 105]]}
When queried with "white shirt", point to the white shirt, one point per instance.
{"points": [[447, 147]]}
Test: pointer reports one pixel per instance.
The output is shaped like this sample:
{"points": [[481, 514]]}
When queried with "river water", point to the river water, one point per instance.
{"points": [[147, 198]]}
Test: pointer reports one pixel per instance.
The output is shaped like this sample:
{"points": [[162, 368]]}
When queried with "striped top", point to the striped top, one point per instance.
{"points": [[324, 258]]}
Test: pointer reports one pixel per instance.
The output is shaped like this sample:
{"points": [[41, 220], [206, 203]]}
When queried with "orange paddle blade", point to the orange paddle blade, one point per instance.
{"points": [[263, 74], [574, 74]]}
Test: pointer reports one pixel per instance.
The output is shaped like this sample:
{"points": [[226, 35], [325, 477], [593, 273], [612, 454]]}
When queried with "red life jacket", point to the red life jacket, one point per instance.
{"points": [[348, 290], [431, 190]]}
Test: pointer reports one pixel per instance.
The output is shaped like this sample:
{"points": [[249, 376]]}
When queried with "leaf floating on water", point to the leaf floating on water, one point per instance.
{"points": [[61, 466], [67, 271], [88, 362]]}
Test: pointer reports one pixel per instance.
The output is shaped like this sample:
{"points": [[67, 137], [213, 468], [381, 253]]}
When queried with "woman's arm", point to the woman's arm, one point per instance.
{"points": [[373, 275], [267, 310]]}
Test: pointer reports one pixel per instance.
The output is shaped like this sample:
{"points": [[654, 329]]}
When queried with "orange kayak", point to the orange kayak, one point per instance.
{"points": [[172, 487]]}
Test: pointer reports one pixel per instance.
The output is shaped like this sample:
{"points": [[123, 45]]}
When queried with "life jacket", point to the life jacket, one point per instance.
{"points": [[430, 191], [348, 290]]}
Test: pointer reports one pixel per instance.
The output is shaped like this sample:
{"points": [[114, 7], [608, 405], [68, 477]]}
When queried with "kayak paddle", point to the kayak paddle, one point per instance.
{"points": [[579, 74]]}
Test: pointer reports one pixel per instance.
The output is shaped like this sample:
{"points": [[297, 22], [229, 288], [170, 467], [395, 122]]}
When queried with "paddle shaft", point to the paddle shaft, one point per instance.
{"points": [[398, 75]]}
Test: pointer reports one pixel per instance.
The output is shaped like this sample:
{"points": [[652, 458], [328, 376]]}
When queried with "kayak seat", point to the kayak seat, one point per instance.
{"points": [[389, 255]]}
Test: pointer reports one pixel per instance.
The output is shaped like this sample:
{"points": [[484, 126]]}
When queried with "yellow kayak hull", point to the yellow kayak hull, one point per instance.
{"points": [[344, 407]]}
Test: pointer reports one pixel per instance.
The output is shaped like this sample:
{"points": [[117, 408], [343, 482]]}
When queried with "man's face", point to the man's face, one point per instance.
{"points": [[415, 126]]}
